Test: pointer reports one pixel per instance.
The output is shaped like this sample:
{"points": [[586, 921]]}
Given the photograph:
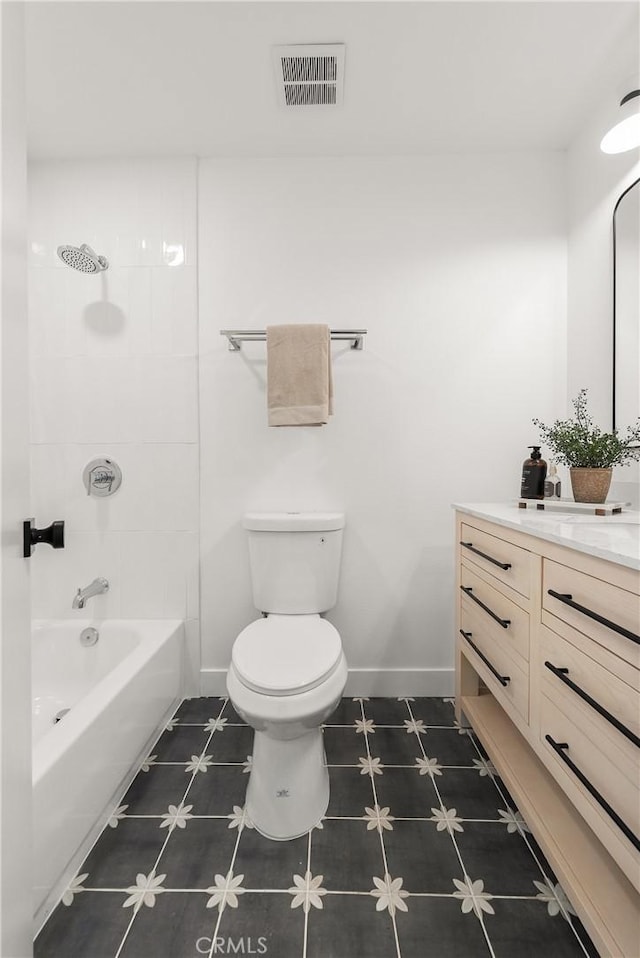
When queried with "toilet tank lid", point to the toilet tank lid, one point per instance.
{"points": [[293, 521]]}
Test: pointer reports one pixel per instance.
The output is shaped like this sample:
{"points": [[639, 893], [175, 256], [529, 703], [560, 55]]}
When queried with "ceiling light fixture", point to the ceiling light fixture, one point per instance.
{"points": [[625, 135]]}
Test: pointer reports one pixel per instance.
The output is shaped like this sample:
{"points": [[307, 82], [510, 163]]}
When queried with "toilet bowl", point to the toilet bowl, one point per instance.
{"points": [[288, 670], [286, 699]]}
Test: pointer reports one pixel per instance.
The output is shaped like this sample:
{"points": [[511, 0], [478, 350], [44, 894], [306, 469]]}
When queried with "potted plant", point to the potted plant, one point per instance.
{"points": [[589, 452]]}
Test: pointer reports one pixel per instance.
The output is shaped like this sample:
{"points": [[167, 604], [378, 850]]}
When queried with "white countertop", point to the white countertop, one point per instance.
{"points": [[615, 538]]}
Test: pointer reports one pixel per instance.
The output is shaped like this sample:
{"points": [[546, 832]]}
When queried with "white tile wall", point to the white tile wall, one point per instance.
{"points": [[459, 275], [113, 369]]}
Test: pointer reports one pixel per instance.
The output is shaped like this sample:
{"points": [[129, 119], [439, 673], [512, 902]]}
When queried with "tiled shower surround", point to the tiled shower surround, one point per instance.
{"points": [[422, 852]]}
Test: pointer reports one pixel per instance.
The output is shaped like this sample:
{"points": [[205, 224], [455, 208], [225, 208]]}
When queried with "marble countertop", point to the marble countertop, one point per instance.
{"points": [[615, 538]]}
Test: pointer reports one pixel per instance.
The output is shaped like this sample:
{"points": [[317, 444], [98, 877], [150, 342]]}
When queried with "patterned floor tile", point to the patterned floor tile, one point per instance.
{"points": [[407, 793], [93, 924], [433, 711], [350, 792], [473, 795], [386, 711], [437, 928], [268, 864], [344, 919], [231, 715], [180, 743], [179, 925], [526, 929], [395, 746], [346, 713], [449, 746], [501, 858], [199, 710], [423, 856], [152, 792], [111, 864], [197, 852], [354, 870], [349, 925], [231, 744], [344, 746], [262, 924], [217, 792]]}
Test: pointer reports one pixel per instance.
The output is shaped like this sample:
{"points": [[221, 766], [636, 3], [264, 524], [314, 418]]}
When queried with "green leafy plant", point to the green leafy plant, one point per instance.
{"points": [[580, 443]]}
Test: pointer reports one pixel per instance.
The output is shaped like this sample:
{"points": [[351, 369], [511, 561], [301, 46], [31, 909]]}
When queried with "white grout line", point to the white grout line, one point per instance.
{"points": [[379, 830], [500, 791], [450, 831], [306, 910], [136, 908], [223, 902]]}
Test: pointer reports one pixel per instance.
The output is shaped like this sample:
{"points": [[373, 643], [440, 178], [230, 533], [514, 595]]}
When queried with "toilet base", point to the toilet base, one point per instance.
{"points": [[288, 791]]}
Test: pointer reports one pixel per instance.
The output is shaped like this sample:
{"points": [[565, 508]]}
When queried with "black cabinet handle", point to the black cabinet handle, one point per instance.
{"points": [[470, 546], [53, 535], [561, 748], [567, 598], [505, 623], [502, 679], [563, 675]]}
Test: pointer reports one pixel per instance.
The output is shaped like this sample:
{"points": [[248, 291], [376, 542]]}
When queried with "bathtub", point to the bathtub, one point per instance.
{"points": [[119, 693]]}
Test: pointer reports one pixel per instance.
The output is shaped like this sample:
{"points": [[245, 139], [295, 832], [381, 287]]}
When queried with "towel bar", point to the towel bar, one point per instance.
{"points": [[237, 336]]}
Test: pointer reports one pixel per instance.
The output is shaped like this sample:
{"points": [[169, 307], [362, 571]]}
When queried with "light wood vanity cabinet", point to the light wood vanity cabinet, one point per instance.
{"points": [[548, 675]]}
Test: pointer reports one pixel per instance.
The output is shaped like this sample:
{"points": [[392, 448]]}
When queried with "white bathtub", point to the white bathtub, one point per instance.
{"points": [[119, 692]]}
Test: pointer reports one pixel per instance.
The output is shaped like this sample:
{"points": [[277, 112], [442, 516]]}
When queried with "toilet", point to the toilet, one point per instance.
{"points": [[288, 670]]}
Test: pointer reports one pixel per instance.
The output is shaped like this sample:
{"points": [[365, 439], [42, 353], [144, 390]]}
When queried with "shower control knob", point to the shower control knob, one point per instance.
{"points": [[53, 535]]}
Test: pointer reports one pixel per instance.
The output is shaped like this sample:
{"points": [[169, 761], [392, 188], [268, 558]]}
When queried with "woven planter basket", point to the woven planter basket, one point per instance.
{"points": [[590, 485]]}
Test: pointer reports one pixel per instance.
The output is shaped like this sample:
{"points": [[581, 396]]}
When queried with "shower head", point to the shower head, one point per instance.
{"points": [[82, 259]]}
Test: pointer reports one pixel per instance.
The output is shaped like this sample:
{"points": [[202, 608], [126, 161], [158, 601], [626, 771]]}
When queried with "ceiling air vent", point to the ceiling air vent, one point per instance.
{"points": [[310, 74]]}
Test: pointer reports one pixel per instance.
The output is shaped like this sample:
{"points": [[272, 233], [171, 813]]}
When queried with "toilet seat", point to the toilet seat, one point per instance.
{"points": [[286, 654]]}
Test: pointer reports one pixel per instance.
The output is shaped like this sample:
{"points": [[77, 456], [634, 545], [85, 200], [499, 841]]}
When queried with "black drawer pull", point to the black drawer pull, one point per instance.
{"points": [[563, 675], [502, 679], [560, 748], [470, 546], [505, 623], [568, 600]]}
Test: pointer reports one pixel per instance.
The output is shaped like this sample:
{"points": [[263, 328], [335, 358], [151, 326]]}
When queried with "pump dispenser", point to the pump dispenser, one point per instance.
{"points": [[534, 473], [552, 483]]}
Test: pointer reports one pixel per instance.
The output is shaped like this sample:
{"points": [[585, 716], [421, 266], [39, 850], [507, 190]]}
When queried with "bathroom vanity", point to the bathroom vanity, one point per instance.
{"points": [[547, 674]]}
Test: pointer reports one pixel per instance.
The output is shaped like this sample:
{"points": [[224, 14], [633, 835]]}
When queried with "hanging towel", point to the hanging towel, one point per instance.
{"points": [[299, 382]]}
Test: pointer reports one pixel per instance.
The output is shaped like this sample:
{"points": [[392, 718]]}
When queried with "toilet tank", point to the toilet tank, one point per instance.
{"points": [[295, 560]]}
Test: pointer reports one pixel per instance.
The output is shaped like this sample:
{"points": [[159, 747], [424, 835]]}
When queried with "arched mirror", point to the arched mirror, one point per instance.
{"points": [[626, 307]]}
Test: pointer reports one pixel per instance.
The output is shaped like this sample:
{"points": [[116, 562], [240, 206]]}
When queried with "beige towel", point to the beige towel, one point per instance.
{"points": [[299, 382]]}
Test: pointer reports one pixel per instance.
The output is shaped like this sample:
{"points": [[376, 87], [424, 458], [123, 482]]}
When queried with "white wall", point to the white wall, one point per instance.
{"points": [[595, 180], [457, 267], [15, 659], [114, 373]]}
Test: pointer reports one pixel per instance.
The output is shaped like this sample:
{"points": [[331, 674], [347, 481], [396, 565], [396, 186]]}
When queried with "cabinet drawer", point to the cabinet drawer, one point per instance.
{"points": [[589, 677], [480, 647], [496, 554], [492, 606], [591, 757], [619, 608]]}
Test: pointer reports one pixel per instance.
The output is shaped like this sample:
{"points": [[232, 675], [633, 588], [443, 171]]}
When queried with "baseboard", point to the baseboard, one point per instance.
{"points": [[213, 681], [399, 682], [384, 682]]}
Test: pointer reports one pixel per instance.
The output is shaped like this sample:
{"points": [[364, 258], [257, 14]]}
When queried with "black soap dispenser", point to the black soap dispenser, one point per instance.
{"points": [[534, 473]]}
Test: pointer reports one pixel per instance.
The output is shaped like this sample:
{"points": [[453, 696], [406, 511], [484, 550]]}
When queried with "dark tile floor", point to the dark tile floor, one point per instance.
{"points": [[422, 853]]}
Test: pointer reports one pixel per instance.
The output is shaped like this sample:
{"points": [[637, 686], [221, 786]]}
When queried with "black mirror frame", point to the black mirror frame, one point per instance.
{"points": [[613, 378]]}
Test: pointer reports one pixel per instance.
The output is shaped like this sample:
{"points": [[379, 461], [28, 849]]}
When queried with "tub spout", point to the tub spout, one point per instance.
{"points": [[97, 587]]}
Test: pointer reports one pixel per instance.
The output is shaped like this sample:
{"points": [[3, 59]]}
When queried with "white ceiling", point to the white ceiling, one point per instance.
{"points": [[140, 78]]}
